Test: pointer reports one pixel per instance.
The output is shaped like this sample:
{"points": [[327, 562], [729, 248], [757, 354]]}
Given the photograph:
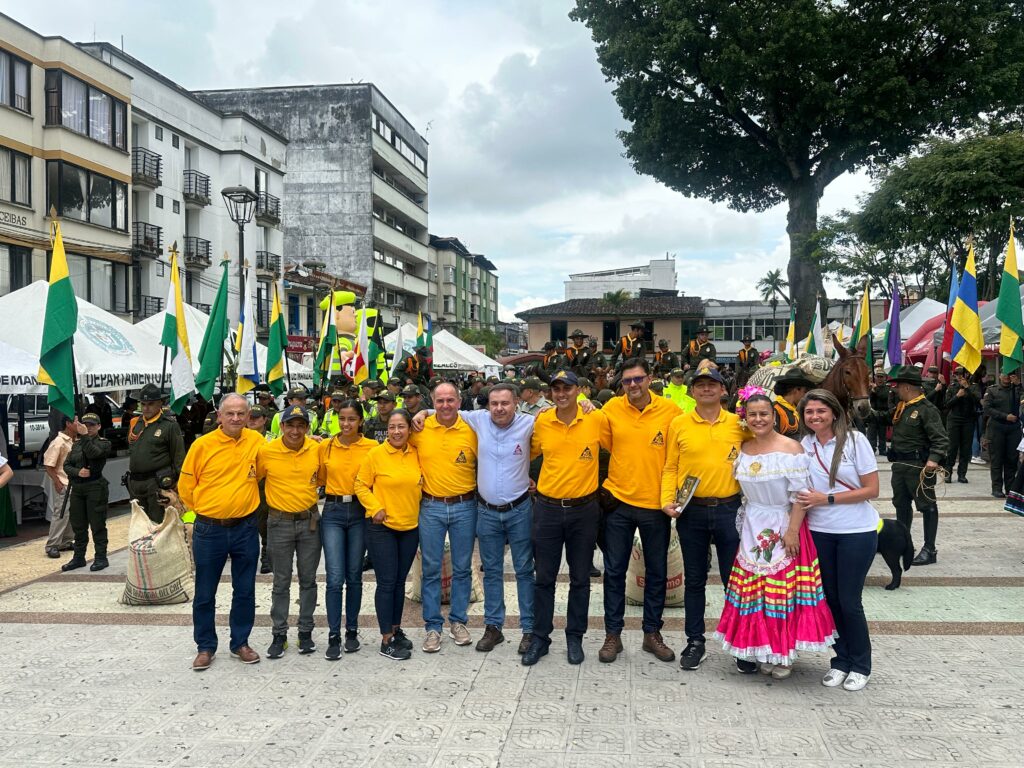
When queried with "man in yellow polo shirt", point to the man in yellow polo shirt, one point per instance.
{"points": [[565, 512], [447, 451], [291, 466], [637, 426], [218, 482], [704, 444]]}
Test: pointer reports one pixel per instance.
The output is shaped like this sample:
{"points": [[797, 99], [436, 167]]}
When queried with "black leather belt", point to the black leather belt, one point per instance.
{"points": [[223, 522], [579, 501], [330, 497], [505, 507], [142, 475], [711, 501], [451, 499]]}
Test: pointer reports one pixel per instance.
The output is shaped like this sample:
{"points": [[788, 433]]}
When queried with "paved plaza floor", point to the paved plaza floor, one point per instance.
{"points": [[88, 682]]}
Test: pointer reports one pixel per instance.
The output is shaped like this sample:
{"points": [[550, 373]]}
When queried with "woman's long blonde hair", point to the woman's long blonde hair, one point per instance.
{"points": [[840, 426]]}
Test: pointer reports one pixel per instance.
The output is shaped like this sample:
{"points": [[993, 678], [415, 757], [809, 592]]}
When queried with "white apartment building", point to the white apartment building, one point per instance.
{"points": [[658, 274], [64, 143], [183, 153], [463, 285]]}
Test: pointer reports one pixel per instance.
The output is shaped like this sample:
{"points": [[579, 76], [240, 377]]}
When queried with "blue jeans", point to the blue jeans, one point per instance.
{"points": [[343, 529], [392, 552], [212, 545], [619, 526], [698, 527], [459, 522], [493, 529], [844, 559]]}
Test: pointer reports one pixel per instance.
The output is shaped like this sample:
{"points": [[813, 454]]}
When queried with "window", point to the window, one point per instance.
{"points": [[558, 330], [311, 328], [159, 201], [175, 140], [104, 283], [176, 206], [161, 269], [158, 133], [449, 274], [386, 258], [293, 315], [261, 181], [14, 82], [449, 305], [85, 196], [84, 109], [15, 177], [392, 138], [262, 305], [15, 268], [474, 311], [609, 334], [474, 285]]}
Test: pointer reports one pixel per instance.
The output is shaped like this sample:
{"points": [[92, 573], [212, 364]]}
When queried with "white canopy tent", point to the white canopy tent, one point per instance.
{"points": [[109, 352], [196, 321], [911, 319], [450, 352], [18, 371]]}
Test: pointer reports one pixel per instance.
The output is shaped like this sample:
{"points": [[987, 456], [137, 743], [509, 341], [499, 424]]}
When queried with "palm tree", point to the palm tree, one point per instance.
{"points": [[617, 299], [772, 286]]}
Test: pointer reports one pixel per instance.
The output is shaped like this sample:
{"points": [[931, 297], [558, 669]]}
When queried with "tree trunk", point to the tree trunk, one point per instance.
{"points": [[803, 271]]}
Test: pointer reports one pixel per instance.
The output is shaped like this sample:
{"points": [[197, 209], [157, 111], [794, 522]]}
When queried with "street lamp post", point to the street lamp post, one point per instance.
{"points": [[241, 205]]}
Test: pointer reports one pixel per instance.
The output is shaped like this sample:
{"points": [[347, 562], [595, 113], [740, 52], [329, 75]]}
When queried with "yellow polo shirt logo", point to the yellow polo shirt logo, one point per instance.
{"points": [[659, 439], [733, 454], [252, 471], [586, 455], [461, 458]]}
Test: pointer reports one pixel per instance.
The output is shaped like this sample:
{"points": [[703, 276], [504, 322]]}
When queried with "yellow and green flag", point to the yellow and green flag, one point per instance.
{"points": [[175, 339], [56, 355], [211, 351], [791, 351], [277, 346], [862, 326], [1008, 310]]}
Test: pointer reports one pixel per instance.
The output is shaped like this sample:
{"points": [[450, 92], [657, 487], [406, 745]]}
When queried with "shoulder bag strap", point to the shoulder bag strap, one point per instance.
{"points": [[847, 486]]}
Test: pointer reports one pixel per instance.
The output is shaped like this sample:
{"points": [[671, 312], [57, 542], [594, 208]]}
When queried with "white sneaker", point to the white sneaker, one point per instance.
{"points": [[432, 642], [766, 668], [978, 460], [781, 672], [855, 681], [833, 678]]}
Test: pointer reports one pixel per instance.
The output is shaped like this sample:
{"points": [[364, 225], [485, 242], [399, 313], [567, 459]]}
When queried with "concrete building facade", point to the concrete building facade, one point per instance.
{"points": [[183, 153], [657, 274], [355, 197], [64, 143], [464, 286]]}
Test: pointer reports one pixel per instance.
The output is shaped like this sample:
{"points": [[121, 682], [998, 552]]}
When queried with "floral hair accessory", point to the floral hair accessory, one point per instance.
{"points": [[745, 394]]}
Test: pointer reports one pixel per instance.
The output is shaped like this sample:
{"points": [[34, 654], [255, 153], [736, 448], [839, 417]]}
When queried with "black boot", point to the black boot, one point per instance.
{"points": [[78, 561], [99, 563], [925, 557]]}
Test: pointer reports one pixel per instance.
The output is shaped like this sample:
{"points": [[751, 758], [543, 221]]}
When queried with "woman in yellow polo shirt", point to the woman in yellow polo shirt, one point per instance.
{"points": [[343, 526], [388, 486]]}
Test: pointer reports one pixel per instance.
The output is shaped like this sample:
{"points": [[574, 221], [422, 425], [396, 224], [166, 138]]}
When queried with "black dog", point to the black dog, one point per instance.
{"points": [[895, 543]]}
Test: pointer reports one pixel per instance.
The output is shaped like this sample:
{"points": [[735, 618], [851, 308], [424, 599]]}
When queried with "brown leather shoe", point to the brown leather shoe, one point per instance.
{"points": [[202, 661], [246, 655], [611, 649], [655, 645], [492, 636], [524, 644]]}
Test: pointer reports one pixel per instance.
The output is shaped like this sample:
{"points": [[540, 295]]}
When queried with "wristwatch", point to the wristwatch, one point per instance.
{"points": [[831, 499]]}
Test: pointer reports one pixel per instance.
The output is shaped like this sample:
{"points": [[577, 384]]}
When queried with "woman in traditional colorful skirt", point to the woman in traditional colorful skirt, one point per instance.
{"points": [[774, 604]]}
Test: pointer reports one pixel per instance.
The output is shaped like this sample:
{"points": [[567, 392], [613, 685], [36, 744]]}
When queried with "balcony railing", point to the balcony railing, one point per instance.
{"points": [[268, 262], [197, 188], [201, 306], [150, 305], [146, 167], [268, 208], [197, 253], [147, 239]]}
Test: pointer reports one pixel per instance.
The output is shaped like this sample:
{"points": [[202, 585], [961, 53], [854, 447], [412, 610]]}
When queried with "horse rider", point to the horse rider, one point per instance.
{"points": [[699, 349], [664, 361], [629, 346], [747, 361]]}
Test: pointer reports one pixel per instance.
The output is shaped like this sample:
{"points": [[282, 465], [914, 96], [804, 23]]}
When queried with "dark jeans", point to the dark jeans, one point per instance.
{"points": [[290, 539], [575, 530], [392, 552], [212, 545], [1002, 453], [146, 492], [619, 528], [906, 477], [844, 559], [698, 527], [876, 429], [344, 536], [87, 510], [961, 434]]}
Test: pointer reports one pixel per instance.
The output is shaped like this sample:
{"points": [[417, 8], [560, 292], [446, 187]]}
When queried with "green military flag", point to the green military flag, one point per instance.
{"points": [[56, 355], [211, 352]]}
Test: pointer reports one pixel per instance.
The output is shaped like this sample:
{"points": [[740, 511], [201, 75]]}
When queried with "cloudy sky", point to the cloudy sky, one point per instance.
{"points": [[525, 166]]}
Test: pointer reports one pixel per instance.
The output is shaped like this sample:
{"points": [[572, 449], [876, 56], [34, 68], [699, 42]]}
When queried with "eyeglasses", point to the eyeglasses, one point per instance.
{"points": [[634, 380]]}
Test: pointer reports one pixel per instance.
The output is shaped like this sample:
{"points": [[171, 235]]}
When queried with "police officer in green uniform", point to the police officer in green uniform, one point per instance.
{"points": [[596, 363], [699, 349], [918, 440], [629, 346], [577, 352], [376, 427], [748, 360], [329, 425], [882, 399], [296, 396], [89, 494], [962, 401], [1001, 405], [156, 451], [665, 361]]}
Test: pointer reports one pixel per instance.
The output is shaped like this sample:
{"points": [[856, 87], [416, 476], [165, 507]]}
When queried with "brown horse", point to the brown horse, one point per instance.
{"points": [[849, 379]]}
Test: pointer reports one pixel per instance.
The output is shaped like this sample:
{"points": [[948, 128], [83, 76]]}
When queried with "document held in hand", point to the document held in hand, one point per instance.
{"points": [[686, 491]]}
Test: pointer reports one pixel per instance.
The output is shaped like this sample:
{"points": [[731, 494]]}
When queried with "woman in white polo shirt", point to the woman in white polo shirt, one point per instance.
{"points": [[844, 526]]}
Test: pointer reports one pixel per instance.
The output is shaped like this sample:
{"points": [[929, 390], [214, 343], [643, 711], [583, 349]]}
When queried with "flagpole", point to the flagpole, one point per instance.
{"points": [[284, 352]]}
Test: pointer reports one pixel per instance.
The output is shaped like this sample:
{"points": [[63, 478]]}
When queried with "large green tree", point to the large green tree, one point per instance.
{"points": [[760, 102]]}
